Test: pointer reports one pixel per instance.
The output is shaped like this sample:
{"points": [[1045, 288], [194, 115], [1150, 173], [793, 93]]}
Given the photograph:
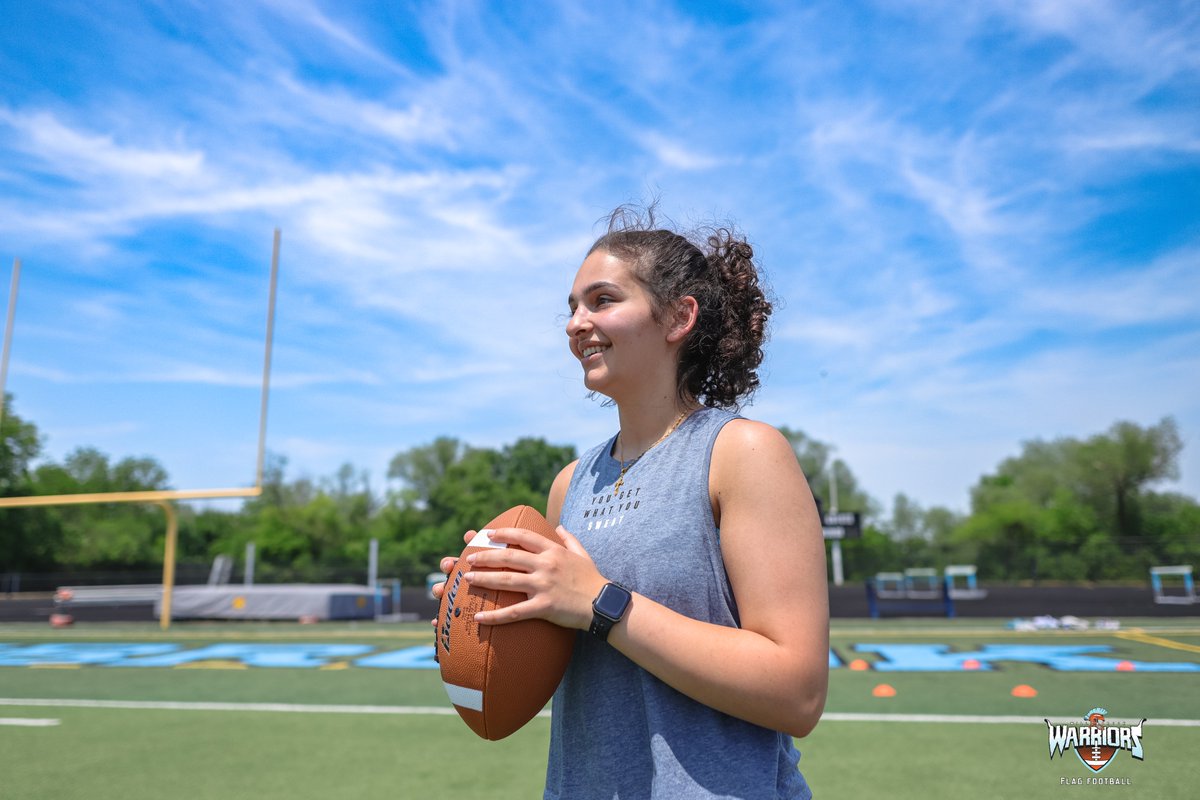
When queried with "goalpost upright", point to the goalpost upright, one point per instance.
{"points": [[162, 497]]}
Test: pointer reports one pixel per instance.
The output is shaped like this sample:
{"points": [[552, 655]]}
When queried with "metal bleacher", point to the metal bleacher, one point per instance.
{"points": [[1163, 595], [922, 590]]}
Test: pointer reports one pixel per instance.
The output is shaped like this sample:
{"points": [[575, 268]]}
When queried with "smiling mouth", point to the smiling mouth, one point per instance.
{"points": [[588, 352]]}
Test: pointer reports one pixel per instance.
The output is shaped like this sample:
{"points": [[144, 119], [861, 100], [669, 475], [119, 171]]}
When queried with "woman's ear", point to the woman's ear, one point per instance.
{"points": [[683, 319]]}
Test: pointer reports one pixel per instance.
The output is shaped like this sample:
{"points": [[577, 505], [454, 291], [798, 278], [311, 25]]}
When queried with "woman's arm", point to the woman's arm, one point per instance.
{"points": [[773, 671]]}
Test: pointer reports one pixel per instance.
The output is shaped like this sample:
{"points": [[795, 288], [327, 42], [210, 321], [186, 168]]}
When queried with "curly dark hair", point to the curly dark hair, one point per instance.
{"points": [[719, 360]]}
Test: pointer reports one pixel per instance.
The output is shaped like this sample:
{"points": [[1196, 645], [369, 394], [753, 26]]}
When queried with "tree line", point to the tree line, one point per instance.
{"points": [[1067, 509]]}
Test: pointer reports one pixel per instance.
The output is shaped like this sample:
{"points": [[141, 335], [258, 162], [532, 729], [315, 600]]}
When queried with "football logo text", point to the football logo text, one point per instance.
{"points": [[451, 594], [1095, 742]]}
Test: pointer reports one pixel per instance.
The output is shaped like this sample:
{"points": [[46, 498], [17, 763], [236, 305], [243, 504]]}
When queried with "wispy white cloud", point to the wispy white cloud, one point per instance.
{"points": [[70, 151], [310, 15], [676, 154], [1164, 290], [1131, 37]]}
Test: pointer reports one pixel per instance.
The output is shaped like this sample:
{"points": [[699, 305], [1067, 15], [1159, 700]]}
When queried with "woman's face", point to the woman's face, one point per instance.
{"points": [[612, 330]]}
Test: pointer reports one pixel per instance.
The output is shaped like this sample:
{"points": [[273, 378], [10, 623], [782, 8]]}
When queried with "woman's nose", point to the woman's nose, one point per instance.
{"points": [[577, 322]]}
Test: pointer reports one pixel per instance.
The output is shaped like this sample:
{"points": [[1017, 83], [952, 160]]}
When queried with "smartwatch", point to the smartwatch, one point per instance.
{"points": [[608, 608]]}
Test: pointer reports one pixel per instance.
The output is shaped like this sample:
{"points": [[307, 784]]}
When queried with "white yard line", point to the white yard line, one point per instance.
{"points": [[975, 719], [173, 705], [447, 710], [26, 722]]}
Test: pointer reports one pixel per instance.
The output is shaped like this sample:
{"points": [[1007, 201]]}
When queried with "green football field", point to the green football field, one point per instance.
{"points": [[78, 720]]}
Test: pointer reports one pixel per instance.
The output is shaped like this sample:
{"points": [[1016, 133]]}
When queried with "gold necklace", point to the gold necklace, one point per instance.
{"points": [[625, 468]]}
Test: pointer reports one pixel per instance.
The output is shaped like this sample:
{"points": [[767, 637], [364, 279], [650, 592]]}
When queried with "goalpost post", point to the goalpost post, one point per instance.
{"points": [[161, 497]]}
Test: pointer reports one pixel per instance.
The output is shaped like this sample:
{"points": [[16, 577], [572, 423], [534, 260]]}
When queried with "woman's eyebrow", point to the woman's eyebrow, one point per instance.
{"points": [[591, 287]]}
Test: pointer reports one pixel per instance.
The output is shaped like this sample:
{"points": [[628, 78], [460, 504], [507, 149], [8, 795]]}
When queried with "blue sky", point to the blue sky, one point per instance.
{"points": [[981, 220]]}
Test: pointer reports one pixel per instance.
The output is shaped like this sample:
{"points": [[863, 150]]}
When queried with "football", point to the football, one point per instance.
{"points": [[498, 676]]}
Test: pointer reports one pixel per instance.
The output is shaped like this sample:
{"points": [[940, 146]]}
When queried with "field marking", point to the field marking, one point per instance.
{"points": [[447, 711], [182, 632], [210, 635], [173, 705], [292, 708], [976, 719], [908, 633], [27, 722], [1138, 635]]}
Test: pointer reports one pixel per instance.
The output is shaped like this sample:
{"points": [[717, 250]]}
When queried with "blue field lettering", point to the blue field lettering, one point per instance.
{"points": [[1062, 658], [891, 657]]}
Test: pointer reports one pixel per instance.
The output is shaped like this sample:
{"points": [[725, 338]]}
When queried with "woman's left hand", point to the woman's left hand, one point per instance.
{"points": [[559, 580]]}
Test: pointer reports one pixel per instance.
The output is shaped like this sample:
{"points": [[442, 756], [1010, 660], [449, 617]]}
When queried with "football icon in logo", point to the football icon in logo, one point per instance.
{"points": [[1095, 756]]}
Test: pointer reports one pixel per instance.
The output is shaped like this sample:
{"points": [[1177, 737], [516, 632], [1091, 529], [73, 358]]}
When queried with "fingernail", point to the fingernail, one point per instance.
{"points": [[471, 558], [468, 577]]}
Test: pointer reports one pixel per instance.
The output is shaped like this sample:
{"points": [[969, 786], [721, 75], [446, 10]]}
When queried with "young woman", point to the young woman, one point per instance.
{"points": [[692, 560]]}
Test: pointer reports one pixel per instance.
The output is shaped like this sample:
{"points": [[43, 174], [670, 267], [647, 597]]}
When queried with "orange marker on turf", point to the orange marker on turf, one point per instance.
{"points": [[1125, 666], [971, 663], [883, 690], [1024, 690], [858, 665]]}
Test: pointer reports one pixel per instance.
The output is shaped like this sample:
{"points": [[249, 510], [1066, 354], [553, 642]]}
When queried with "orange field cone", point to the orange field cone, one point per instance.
{"points": [[1024, 690], [1125, 666], [883, 690], [858, 665], [971, 663]]}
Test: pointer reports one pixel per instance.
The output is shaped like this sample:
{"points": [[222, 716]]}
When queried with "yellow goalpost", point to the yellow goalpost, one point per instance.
{"points": [[162, 498]]}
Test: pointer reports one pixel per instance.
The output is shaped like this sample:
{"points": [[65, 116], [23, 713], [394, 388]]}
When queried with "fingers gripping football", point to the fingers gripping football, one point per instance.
{"points": [[559, 580]]}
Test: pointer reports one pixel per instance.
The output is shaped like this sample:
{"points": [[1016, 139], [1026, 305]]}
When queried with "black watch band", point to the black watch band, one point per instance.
{"points": [[608, 608]]}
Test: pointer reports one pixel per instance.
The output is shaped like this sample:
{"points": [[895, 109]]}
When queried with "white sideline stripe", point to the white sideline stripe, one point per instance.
{"points": [[832, 716], [482, 540], [464, 697], [991, 720], [172, 705], [175, 705], [24, 722]]}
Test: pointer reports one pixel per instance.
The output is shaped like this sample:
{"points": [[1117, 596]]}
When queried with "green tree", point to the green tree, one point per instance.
{"points": [[30, 538], [531, 465], [20, 444], [449, 488], [304, 529], [1171, 523], [908, 519], [420, 469], [816, 459], [923, 537], [1116, 468], [107, 535], [1075, 509]]}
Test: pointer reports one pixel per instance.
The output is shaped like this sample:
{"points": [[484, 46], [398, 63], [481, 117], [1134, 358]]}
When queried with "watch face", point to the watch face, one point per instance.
{"points": [[612, 601]]}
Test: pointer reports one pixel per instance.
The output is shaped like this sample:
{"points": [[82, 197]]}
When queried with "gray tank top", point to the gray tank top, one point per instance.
{"points": [[616, 730]]}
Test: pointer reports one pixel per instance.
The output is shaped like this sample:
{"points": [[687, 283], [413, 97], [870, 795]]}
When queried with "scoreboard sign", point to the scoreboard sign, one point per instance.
{"points": [[841, 525]]}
